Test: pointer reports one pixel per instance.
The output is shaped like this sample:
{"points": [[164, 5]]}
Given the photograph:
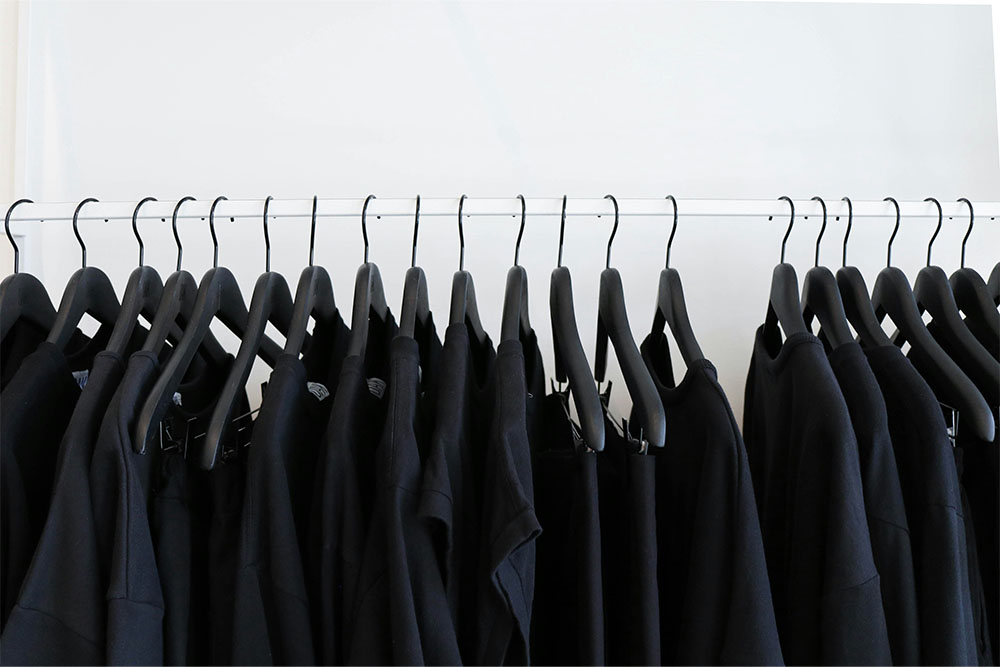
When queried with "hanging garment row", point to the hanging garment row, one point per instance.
{"points": [[403, 499]]}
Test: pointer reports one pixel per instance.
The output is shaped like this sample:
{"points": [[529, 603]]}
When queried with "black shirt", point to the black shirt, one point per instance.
{"points": [[510, 525], [343, 492], [714, 594], [272, 614], [804, 461], [23, 338], [567, 621], [452, 485], [59, 617], [929, 481], [887, 526], [402, 609]]}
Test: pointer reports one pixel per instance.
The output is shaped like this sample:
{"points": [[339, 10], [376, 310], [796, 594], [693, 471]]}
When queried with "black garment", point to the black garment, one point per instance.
{"points": [[887, 526], [37, 406], [451, 495], [984, 335], [977, 595], [344, 491], [932, 496], [510, 525], [567, 619], [804, 461], [626, 479], [402, 609], [23, 338], [272, 614], [714, 596], [59, 617], [986, 378]]}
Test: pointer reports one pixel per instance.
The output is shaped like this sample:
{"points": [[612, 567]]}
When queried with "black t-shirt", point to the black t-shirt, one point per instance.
{"points": [[37, 405], [804, 462], [510, 525], [451, 492], [626, 481], [567, 620], [887, 526], [931, 493], [714, 595], [59, 617], [23, 338], [272, 614], [402, 609], [343, 493]]}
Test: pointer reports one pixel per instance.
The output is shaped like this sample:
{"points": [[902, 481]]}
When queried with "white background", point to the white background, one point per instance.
{"points": [[726, 100]]}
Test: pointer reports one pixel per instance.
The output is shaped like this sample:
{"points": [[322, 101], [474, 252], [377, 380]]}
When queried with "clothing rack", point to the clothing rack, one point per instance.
{"points": [[498, 206]]}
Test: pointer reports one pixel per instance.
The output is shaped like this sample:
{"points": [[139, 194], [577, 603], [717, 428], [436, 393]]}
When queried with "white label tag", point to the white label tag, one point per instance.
{"points": [[81, 378], [318, 390], [177, 399], [377, 387]]}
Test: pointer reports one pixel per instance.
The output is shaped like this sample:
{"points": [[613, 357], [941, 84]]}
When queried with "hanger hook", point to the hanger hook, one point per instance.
{"points": [[416, 227], [173, 225], [822, 230], [312, 231], [847, 234], [135, 228], [267, 236], [364, 224], [972, 218], [791, 222], [211, 228], [461, 235], [936, 229], [76, 229], [562, 232], [10, 237], [673, 230], [614, 230], [888, 249], [520, 232]]}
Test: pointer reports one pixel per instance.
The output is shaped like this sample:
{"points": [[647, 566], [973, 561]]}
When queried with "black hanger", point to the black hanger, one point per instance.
{"points": [[369, 295], [180, 292], [22, 295], [313, 297], [671, 309], [142, 295], [933, 293], [971, 293], [783, 305], [612, 322], [994, 284], [416, 308], [89, 292], [219, 297], [514, 323], [570, 360], [821, 297], [271, 302], [892, 296], [854, 291], [463, 291]]}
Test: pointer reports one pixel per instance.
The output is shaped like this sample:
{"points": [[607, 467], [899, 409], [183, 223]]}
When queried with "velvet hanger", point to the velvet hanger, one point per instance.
{"points": [[369, 295], [854, 292], [971, 293], [416, 310], [463, 291], [313, 297], [821, 297], [514, 324], [783, 305], [22, 295]]}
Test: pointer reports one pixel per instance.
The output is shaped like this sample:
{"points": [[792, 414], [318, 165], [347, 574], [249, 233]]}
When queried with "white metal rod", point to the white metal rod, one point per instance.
{"points": [[498, 206]]}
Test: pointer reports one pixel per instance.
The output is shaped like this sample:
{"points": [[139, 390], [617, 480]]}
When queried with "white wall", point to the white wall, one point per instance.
{"points": [[720, 99]]}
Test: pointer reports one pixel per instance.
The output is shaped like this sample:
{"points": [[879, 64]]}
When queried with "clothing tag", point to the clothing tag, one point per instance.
{"points": [[318, 390], [177, 399], [377, 387], [951, 421], [81, 378]]}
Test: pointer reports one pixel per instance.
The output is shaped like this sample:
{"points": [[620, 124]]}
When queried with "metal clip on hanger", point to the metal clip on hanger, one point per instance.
{"points": [[973, 297], [671, 309], [464, 309], [783, 305], [892, 296], [271, 302], [416, 310], [369, 295], [821, 297], [89, 292], [570, 360], [854, 292], [612, 323], [313, 298], [514, 323], [22, 295]]}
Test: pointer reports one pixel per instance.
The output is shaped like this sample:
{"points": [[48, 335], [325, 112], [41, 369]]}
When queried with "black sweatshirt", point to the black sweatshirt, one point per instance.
{"points": [[804, 461]]}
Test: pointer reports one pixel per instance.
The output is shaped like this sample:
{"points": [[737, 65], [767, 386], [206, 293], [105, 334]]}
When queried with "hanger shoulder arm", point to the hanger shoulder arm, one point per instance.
{"points": [[23, 295], [514, 319], [821, 297]]}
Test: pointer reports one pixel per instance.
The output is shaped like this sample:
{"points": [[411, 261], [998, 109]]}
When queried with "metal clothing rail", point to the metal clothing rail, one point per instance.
{"points": [[497, 206]]}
